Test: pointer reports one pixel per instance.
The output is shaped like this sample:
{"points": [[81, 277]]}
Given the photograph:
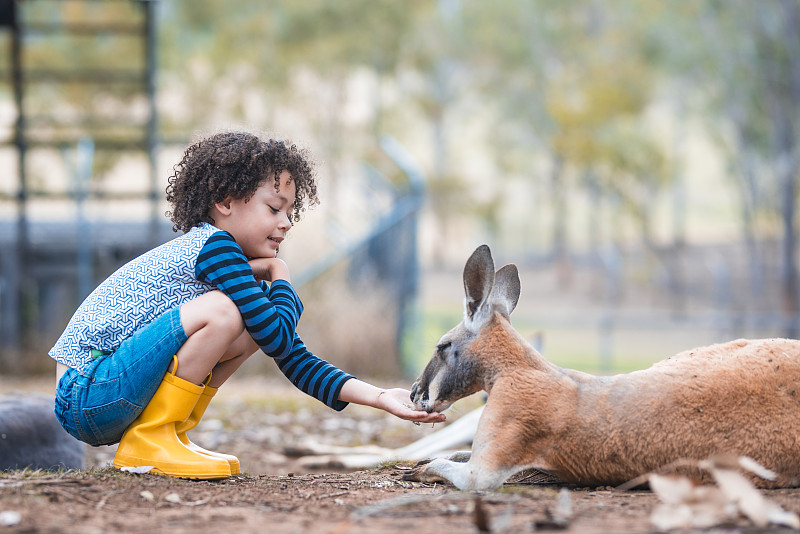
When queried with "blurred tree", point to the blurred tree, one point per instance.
{"points": [[570, 83], [754, 82], [284, 56], [574, 81]]}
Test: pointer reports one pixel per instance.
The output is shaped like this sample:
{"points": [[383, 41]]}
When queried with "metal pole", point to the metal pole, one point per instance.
{"points": [[408, 332], [152, 121], [82, 169], [14, 285]]}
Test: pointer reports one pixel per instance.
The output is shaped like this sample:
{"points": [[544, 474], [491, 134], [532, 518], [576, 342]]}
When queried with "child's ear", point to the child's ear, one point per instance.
{"points": [[224, 207]]}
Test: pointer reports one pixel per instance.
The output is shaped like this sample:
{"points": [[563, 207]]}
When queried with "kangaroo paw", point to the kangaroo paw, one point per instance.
{"points": [[421, 473], [440, 470]]}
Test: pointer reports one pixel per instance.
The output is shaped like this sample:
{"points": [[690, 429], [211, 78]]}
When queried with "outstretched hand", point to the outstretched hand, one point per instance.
{"points": [[397, 401]]}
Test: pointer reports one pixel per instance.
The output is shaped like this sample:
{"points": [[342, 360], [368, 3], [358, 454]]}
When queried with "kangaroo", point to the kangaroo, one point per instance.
{"points": [[737, 398]]}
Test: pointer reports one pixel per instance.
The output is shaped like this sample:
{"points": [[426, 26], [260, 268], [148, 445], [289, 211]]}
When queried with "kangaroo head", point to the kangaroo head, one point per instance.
{"points": [[456, 369]]}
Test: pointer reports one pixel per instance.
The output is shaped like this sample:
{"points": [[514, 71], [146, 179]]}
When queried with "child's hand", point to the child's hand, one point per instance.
{"points": [[270, 269], [397, 401]]}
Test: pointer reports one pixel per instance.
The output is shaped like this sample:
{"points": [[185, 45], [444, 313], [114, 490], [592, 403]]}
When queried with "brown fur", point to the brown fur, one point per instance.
{"points": [[736, 398]]}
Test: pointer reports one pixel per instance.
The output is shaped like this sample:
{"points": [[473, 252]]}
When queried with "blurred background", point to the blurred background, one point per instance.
{"points": [[637, 160]]}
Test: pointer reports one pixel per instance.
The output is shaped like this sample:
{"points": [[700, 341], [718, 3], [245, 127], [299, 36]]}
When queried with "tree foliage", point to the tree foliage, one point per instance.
{"points": [[486, 91]]}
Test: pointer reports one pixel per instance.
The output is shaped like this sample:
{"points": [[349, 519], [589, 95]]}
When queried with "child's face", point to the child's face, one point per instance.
{"points": [[260, 224]]}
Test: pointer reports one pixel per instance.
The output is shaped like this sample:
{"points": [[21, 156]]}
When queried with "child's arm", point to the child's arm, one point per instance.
{"points": [[271, 318], [396, 401], [300, 365], [314, 375], [270, 315]]}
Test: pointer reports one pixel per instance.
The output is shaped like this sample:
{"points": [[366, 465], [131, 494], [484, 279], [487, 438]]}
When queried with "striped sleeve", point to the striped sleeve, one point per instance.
{"points": [[313, 375], [270, 316], [270, 320]]}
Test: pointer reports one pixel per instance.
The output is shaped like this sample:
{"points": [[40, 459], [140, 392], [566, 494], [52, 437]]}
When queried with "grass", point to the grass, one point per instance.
{"points": [[27, 473]]}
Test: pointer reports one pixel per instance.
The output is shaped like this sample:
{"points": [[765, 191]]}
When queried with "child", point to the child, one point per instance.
{"points": [[144, 354]]}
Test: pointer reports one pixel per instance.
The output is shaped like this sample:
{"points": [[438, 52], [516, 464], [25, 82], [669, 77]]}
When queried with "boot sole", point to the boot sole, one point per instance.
{"points": [[174, 473], [233, 462]]}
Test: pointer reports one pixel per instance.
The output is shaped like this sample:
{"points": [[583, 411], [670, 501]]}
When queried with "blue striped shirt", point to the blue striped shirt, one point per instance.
{"points": [[202, 260]]}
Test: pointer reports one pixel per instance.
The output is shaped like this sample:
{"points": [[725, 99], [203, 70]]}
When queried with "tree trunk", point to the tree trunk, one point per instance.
{"points": [[784, 107], [560, 218]]}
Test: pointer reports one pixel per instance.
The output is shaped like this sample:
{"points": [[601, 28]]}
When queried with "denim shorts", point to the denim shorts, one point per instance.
{"points": [[99, 403]]}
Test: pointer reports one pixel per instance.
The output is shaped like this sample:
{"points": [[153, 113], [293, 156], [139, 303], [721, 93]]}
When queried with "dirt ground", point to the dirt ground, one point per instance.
{"points": [[267, 424], [105, 500], [371, 501]]}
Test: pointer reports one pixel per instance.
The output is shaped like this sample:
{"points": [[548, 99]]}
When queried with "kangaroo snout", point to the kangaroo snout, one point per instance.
{"points": [[416, 397], [419, 396]]}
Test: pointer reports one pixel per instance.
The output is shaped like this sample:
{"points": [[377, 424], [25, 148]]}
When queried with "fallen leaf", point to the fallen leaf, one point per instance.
{"points": [[668, 517], [9, 518], [563, 509], [740, 491], [173, 498], [141, 470], [671, 489], [147, 495], [686, 505], [176, 499], [747, 463], [779, 516]]}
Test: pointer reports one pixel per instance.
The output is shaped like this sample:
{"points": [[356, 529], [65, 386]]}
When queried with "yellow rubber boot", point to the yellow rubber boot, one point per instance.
{"points": [[191, 422], [151, 440]]}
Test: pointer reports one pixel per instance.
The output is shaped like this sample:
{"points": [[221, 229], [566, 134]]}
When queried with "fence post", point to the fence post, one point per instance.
{"points": [[84, 161], [408, 331]]}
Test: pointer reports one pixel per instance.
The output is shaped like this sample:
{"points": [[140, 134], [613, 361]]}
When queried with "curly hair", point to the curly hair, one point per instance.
{"points": [[235, 164]]}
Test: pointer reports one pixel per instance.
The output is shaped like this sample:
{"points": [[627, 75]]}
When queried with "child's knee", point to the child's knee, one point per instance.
{"points": [[225, 314], [215, 310], [243, 346]]}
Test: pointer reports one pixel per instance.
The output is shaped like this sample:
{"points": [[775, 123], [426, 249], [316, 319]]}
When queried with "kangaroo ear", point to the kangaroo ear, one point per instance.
{"points": [[505, 294], [478, 280]]}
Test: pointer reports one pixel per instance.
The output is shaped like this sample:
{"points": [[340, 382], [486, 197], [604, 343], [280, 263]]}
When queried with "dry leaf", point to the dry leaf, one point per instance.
{"points": [[779, 516], [147, 495], [688, 506], [747, 463], [563, 509], [176, 499], [671, 489], [144, 469], [741, 492], [668, 517], [9, 518]]}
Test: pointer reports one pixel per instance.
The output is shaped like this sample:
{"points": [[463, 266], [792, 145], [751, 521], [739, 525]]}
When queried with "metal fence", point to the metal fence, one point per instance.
{"points": [[65, 260]]}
